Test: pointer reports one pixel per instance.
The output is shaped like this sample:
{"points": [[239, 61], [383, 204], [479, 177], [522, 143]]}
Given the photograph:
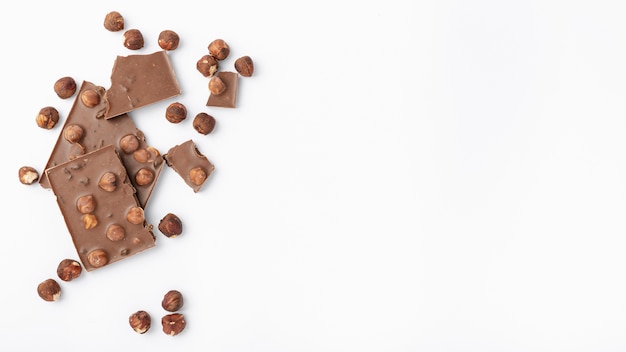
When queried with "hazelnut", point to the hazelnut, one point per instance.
{"points": [[144, 177], [115, 232], [108, 182], [197, 176], [140, 321], [176, 112], [172, 301], [141, 155], [207, 65], [133, 39], [170, 225], [135, 215], [47, 117], [98, 258], [219, 49], [86, 204], [73, 133], [28, 175], [173, 324], [129, 143], [216, 86], [244, 66], [168, 40], [113, 21], [90, 98], [49, 290], [90, 221], [69, 269], [65, 87], [204, 123]]}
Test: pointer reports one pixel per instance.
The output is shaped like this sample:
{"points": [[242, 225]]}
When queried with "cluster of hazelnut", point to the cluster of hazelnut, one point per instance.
{"points": [[172, 323], [133, 38], [67, 270]]}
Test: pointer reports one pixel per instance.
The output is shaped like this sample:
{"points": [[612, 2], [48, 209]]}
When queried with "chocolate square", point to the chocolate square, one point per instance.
{"points": [[186, 157], [228, 98]]}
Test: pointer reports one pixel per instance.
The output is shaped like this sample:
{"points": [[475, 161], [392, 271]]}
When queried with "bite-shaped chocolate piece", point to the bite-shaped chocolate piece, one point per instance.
{"points": [[228, 97], [85, 130], [193, 166], [96, 216], [140, 80]]}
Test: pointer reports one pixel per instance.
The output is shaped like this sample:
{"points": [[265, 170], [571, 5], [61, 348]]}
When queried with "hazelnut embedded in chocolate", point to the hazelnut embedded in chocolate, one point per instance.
{"points": [[90, 98], [98, 258], [73, 133]]}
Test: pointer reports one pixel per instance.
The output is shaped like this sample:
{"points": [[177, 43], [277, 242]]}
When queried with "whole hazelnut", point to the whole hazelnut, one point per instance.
{"points": [[129, 143], [98, 258], [90, 98], [73, 133], [176, 112], [197, 175], [141, 155], [203, 123], [108, 182], [244, 66], [49, 290], [172, 301], [69, 269], [115, 232], [168, 40], [171, 225], [28, 175], [133, 39], [86, 204], [135, 215], [144, 177], [65, 87], [140, 321], [207, 65], [173, 324], [216, 86], [219, 49], [113, 21], [47, 117]]}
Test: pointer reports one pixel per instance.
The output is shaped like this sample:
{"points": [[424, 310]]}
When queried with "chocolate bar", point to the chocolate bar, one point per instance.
{"points": [[193, 166], [98, 204], [140, 80], [138, 157], [228, 98]]}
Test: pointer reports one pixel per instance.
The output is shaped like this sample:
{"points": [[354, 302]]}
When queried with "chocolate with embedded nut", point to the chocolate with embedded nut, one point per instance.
{"points": [[228, 97], [95, 215], [193, 166]]}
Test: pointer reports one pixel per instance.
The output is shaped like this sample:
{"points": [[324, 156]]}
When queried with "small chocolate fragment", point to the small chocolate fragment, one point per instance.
{"points": [[140, 80], [49, 290], [69, 269], [113, 21], [203, 123], [65, 87], [120, 132], [228, 98], [168, 40], [92, 215], [47, 117], [207, 65], [186, 157], [28, 175], [219, 49], [244, 66], [133, 39]]}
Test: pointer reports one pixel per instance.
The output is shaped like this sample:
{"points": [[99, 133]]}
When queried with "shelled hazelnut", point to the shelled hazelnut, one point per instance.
{"points": [[65, 87], [140, 321], [47, 117], [176, 112], [133, 39], [244, 66], [172, 301], [173, 324], [171, 225], [28, 175], [216, 86], [168, 40], [49, 290], [203, 123], [219, 49], [114, 21], [207, 65], [69, 269]]}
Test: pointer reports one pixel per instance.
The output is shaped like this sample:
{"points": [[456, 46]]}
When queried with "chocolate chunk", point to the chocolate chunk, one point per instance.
{"points": [[227, 98], [193, 166], [98, 132], [140, 80], [95, 216]]}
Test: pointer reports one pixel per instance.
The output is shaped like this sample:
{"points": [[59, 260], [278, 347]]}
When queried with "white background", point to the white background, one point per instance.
{"points": [[398, 176]]}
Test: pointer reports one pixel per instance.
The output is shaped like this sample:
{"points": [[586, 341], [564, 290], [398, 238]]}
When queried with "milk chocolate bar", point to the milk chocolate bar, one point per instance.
{"points": [[193, 166], [140, 80], [97, 201], [228, 98], [138, 157]]}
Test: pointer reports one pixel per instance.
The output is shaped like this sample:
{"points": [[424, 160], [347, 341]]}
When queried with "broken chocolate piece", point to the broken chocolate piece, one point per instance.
{"points": [[190, 164], [96, 218], [228, 97], [98, 132], [140, 80]]}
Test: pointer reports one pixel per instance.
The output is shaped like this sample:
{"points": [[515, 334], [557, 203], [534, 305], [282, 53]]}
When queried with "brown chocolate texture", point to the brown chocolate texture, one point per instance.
{"points": [[185, 157]]}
